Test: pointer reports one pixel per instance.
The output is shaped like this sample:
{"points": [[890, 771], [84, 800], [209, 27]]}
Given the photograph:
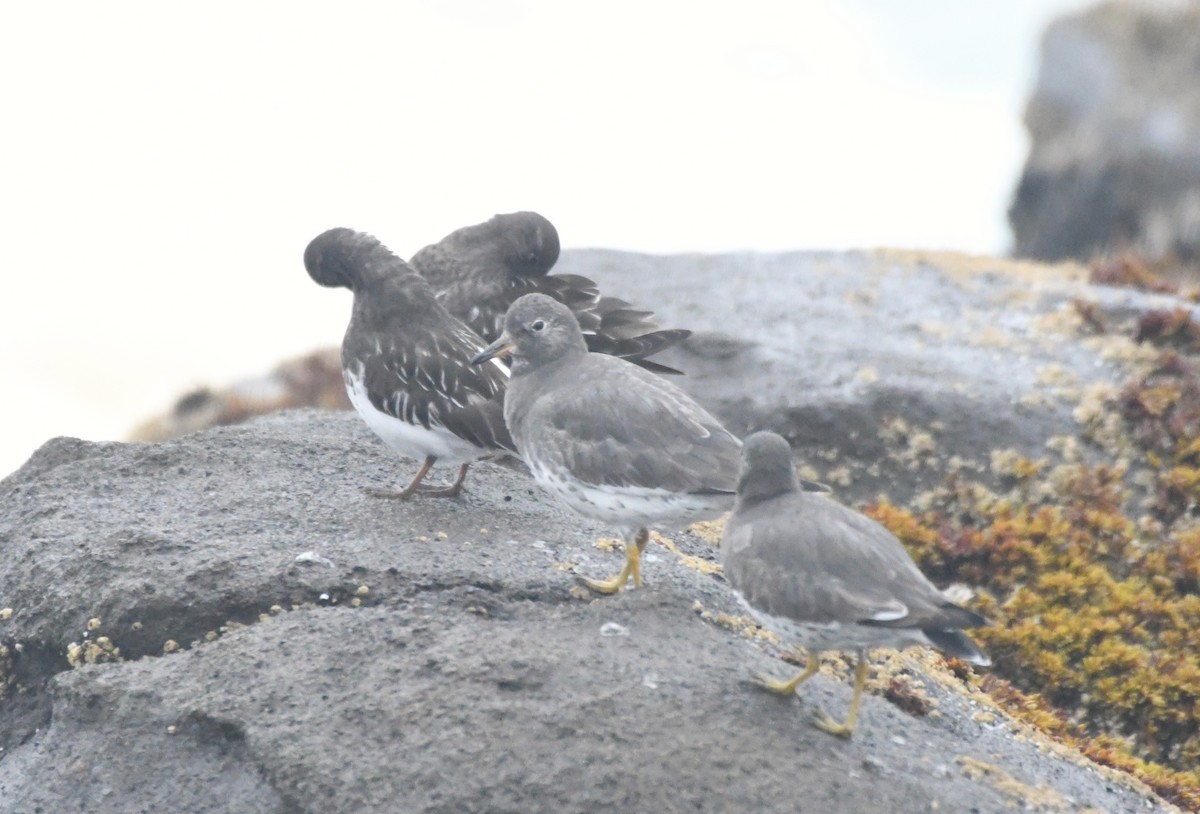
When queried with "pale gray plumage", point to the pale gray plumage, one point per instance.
{"points": [[828, 578], [803, 557], [616, 443], [609, 423]]}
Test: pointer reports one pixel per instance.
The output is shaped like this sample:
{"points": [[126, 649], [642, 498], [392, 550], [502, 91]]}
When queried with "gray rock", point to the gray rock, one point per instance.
{"points": [[1114, 122], [886, 370], [468, 680], [467, 676]]}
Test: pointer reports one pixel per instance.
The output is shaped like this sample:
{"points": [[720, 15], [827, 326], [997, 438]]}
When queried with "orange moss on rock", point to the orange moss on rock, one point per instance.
{"points": [[1132, 271], [1097, 613]]}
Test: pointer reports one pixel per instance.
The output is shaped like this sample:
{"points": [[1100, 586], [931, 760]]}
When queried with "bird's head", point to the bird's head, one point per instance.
{"points": [[537, 330], [530, 243]]}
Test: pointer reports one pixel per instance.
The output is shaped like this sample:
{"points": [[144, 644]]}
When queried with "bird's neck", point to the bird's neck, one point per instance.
{"points": [[523, 366], [754, 488]]}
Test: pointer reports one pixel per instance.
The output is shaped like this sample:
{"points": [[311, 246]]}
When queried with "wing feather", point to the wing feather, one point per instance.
{"points": [[651, 435], [805, 556]]}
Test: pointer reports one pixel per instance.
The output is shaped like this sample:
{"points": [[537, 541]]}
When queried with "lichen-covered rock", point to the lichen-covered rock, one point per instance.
{"points": [[1114, 122]]}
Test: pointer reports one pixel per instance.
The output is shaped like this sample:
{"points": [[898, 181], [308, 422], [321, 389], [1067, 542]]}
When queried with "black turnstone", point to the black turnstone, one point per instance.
{"points": [[613, 441], [479, 271], [406, 362], [828, 578]]}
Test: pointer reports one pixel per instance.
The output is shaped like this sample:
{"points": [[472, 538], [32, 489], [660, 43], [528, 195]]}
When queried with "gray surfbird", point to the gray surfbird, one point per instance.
{"points": [[406, 362], [479, 271], [828, 578], [614, 442]]}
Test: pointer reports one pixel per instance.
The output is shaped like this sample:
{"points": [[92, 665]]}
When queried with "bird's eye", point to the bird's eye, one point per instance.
{"points": [[537, 326], [533, 256]]}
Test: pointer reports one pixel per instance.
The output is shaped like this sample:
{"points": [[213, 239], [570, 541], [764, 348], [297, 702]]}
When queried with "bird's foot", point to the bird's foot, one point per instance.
{"points": [[453, 490], [606, 586], [774, 685], [789, 687], [632, 570], [390, 494], [422, 489], [826, 724], [418, 487]]}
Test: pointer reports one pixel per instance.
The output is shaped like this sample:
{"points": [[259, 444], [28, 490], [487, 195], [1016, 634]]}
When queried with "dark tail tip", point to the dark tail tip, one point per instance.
{"points": [[958, 644], [635, 349]]}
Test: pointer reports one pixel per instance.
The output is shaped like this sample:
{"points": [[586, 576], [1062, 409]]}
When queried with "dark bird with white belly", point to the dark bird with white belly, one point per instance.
{"points": [[407, 365]]}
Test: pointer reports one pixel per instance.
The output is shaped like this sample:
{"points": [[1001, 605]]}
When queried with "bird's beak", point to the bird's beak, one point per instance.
{"points": [[501, 347]]}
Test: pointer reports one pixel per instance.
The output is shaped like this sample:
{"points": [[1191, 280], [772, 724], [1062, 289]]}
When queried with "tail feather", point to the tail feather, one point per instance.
{"points": [[958, 644], [636, 349], [657, 367]]}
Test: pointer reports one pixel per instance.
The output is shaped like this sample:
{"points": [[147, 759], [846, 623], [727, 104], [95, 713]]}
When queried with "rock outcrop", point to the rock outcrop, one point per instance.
{"points": [[341, 653], [1114, 123], [226, 622]]}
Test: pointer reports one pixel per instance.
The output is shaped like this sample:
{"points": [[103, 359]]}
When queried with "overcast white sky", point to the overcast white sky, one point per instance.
{"points": [[163, 165]]}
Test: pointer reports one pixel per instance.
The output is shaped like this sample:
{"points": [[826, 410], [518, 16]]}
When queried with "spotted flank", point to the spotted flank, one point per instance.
{"points": [[613, 441], [629, 506], [407, 437]]}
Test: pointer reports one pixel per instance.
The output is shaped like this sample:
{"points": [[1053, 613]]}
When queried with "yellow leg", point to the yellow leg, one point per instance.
{"points": [[824, 722], [639, 542], [789, 687], [633, 567]]}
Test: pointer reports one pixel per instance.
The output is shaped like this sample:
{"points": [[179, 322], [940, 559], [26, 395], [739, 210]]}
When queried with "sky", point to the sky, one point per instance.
{"points": [[164, 165]]}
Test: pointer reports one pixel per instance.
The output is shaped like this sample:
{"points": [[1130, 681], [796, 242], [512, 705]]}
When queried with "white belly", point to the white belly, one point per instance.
{"points": [[411, 440], [631, 507]]}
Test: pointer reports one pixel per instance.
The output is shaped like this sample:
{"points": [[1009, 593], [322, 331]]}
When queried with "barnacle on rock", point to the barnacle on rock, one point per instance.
{"points": [[6, 669], [709, 530], [92, 652], [695, 563], [742, 625]]}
